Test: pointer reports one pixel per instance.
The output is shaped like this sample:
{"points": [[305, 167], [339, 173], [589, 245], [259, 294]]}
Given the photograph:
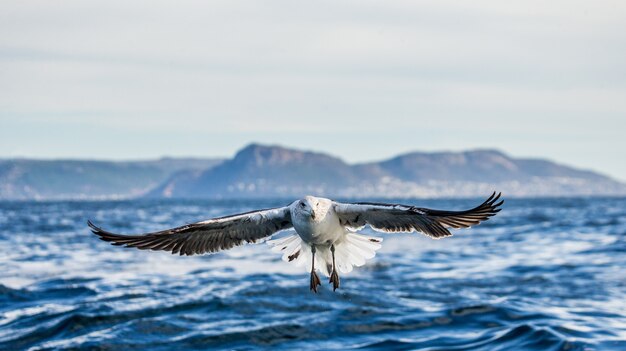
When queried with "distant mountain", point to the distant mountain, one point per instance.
{"points": [[22, 179], [259, 170], [275, 171]]}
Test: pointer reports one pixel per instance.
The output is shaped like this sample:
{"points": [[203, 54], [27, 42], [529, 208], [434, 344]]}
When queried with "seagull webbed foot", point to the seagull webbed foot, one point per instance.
{"points": [[334, 278], [315, 281]]}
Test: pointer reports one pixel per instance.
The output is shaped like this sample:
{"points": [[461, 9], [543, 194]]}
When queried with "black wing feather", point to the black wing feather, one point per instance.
{"points": [[209, 236], [394, 218]]}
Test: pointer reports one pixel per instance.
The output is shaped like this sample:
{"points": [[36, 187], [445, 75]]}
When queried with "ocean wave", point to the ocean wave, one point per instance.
{"points": [[545, 275]]}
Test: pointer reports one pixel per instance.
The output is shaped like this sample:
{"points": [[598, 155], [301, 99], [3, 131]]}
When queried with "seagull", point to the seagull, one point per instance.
{"points": [[325, 231]]}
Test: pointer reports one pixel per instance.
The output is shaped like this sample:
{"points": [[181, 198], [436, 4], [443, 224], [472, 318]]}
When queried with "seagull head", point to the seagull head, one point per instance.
{"points": [[308, 205]]}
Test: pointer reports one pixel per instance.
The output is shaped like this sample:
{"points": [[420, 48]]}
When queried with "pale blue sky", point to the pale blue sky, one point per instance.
{"points": [[362, 80]]}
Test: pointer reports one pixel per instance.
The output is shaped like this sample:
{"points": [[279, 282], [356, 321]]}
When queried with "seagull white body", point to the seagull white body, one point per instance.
{"points": [[316, 222], [325, 231]]}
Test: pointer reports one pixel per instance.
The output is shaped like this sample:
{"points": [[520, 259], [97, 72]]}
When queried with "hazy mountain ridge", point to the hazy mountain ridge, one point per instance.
{"points": [[275, 171], [259, 170], [24, 179]]}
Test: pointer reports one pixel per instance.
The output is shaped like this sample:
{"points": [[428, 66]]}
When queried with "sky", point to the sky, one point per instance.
{"points": [[362, 80]]}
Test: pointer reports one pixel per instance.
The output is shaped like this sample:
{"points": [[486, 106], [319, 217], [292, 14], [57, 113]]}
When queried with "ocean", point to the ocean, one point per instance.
{"points": [[544, 274]]}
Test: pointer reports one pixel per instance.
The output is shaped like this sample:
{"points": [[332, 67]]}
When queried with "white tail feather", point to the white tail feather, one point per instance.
{"points": [[290, 246], [354, 250]]}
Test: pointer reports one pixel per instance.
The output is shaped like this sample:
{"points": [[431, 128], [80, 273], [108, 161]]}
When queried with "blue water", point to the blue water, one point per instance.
{"points": [[545, 274]]}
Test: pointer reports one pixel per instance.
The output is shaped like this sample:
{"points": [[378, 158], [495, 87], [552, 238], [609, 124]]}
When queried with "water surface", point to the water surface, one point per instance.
{"points": [[545, 274]]}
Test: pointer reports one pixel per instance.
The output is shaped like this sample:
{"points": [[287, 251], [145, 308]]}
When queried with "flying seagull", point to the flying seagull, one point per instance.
{"points": [[325, 231]]}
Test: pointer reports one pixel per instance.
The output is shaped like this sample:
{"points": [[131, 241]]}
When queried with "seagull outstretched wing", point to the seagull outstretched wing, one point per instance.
{"points": [[208, 236], [393, 218]]}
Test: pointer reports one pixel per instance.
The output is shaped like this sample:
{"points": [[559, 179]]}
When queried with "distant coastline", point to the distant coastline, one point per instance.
{"points": [[269, 171]]}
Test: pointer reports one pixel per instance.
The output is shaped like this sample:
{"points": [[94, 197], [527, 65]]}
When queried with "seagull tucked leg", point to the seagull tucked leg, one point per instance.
{"points": [[315, 280], [334, 277]]}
